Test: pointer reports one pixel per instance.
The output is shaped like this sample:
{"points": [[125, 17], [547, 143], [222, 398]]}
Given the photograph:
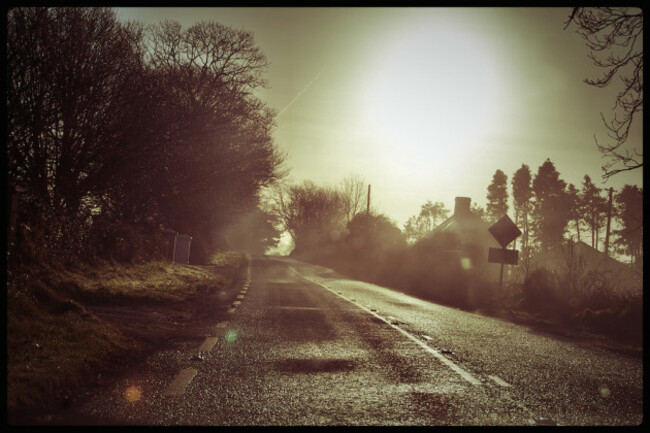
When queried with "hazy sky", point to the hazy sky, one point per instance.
{"points": [[424, 103]]}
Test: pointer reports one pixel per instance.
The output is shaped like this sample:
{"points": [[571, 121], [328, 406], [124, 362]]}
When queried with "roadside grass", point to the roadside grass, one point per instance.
{"points": [[52, 340]]}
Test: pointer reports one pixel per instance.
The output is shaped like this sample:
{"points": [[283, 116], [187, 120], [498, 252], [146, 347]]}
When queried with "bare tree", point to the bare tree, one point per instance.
{"points": [[79, 109], [615, 38], [353, 194], [313, 215], [419, 226]]}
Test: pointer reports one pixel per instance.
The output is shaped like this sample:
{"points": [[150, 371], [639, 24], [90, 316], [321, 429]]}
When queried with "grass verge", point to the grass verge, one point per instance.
{"points": [[53, 341]]}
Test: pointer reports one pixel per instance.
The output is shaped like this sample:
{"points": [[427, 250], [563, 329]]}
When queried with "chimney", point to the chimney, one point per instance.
{"points": [[462, 206]]}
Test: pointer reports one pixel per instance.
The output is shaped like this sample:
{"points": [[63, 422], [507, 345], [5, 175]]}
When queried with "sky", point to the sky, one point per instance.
{"points": [[424, 103]]}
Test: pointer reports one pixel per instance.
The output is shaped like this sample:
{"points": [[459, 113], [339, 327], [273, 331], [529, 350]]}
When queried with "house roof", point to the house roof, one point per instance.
{"points": [[589, 259]]}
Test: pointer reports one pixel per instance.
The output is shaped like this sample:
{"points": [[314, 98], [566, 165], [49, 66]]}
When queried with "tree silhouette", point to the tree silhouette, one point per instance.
{"points": [[521, 197], [479, 211], [577, 208], [80, 111], [134, 127], [419, 226], [497, 196], [629, 202], [313, 215], [551, 208], [615, 38], [594, 208], [353, 192]]}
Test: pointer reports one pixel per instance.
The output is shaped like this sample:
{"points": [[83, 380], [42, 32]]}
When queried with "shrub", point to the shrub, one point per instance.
{"points": [[540, 290]]}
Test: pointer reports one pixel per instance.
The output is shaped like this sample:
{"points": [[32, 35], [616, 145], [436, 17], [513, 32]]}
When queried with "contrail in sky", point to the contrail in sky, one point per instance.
{"points": [[300, 93]]}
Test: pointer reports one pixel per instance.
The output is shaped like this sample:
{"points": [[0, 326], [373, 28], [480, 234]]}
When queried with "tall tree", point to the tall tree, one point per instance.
{"points": [[223, 151], [374, 234], [353, 192], [577, 208], [629, 202], [551, 208], [615, 38], [313, 215], [594, 207], [497, 196], [77, 102], [522, 194], [147, 126]]}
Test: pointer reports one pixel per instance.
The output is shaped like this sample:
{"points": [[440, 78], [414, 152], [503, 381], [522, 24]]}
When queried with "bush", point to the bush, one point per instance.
{"points": [[540, 291]]}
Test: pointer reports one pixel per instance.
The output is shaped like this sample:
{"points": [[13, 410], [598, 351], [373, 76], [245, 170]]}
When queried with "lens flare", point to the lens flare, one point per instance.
{"points": [[231, 336], [133, 394]]}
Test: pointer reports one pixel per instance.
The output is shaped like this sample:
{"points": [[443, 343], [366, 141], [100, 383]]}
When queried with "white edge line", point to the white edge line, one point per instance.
{"points": [[499, 381], [464, 374]]}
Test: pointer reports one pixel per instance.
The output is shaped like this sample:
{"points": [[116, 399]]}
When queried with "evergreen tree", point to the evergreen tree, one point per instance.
{"points": [[630, 215], [576, 208], [551, 208], [497, 196], [594, 207], [521, 197]]}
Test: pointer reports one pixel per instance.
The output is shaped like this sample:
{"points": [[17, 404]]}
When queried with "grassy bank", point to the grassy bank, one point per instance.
{"points": [[52, 338]]}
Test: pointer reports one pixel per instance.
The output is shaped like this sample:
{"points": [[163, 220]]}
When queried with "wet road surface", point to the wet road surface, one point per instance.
{"points": [[302, 345]]}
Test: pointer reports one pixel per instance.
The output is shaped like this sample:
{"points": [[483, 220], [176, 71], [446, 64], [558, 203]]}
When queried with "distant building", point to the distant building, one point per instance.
{"points": [[582, 258], [475, 240]]}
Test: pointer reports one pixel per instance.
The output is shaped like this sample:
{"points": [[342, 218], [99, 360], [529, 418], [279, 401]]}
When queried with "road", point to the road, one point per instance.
{"points": [[302, 345]]}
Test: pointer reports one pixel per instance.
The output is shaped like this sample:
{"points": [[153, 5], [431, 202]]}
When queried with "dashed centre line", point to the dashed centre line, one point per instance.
{"points": [[499, 381], [208, 344], [180, 382]]}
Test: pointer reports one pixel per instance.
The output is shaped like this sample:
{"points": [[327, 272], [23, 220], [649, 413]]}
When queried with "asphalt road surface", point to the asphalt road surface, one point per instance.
{"points": [[302, 345]]}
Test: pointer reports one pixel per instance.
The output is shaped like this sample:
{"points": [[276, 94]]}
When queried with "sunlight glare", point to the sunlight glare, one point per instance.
{"points": [[434, 90]]}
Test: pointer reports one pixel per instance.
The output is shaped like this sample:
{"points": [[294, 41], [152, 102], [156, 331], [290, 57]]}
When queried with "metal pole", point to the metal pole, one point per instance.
{"points": [[501, 279]]}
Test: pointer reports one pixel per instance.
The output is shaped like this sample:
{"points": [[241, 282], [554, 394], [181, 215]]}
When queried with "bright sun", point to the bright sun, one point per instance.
{"points": [[434, 90]]}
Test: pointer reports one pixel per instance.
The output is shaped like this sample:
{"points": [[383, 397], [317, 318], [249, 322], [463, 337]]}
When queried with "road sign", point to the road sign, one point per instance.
{"points": [[504, 231], [503, 256]]}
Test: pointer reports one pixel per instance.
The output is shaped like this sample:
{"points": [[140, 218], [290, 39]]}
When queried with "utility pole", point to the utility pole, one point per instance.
{"points": [[609, 220], [368, 204]]}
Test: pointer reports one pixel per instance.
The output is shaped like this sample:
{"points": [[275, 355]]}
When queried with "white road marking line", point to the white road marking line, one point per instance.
{"points": [[426, 337], [236, 303], [208, 344], [461, 372], [180, 382], [499, 381], [240, 296], [222, 324], [231, 310]]}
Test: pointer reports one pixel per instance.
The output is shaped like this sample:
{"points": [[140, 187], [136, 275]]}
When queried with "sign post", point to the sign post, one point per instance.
{"points": [[504, 231]]}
